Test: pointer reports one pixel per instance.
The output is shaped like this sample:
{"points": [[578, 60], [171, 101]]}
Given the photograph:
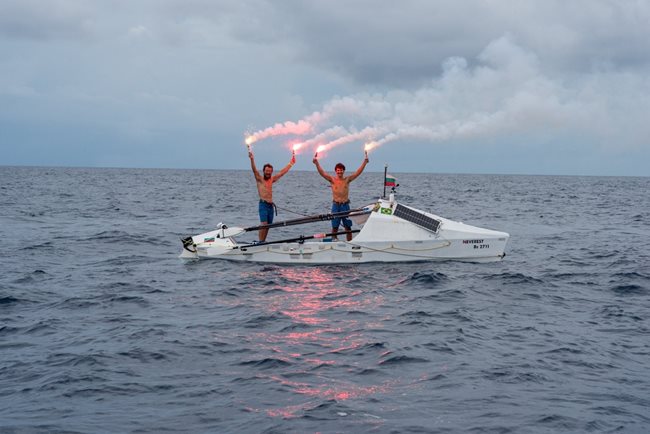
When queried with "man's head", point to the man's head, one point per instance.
{"points": [[268, 171], [339, 169]]}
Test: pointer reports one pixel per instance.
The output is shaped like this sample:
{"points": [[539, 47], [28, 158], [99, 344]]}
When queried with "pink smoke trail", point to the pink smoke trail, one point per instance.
{"points": [[346, 106], [366, 135], [299, 128]]}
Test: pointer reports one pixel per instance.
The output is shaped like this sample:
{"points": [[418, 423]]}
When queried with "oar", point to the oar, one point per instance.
{"points": [[310, 219], [226, 232], [300, 239]]}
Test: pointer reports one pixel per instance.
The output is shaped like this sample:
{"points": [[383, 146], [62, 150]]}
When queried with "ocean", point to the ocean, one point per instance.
{"points": [[103, 329]]}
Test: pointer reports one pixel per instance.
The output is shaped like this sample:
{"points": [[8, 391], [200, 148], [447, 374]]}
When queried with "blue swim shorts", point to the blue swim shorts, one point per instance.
{"points": [[341, 207], [266, 212]]}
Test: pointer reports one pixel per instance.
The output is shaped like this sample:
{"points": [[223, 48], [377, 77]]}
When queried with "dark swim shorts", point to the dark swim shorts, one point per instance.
{"points": [[266, 212], [341, 207]]}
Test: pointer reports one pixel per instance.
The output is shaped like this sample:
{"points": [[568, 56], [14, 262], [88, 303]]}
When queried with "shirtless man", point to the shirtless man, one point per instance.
{"points": [[265, 190], [341, 193]]}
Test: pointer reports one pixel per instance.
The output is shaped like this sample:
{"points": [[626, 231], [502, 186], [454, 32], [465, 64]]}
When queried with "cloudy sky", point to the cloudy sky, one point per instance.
{"points": [[470, 86]]}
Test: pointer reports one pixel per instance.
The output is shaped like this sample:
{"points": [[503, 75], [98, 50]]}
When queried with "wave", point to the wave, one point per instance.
{"points": [[46, 246], [399, 360], [126, 286], [43, 328], [417, 314], [564, 350], [31, 277], [71, 359], [77, 303], [617, 312], [7, 330], [126, 299], [266, 363], [424, 279], [145, 356], [125, 238], [559, 422], [511, 376], [630, 289], [367, 371], [261, 320], [7, 300], [440, 348], [509, 278], [444, 295], [632, 275], [360, 350], [293, 327], [128, 259]]}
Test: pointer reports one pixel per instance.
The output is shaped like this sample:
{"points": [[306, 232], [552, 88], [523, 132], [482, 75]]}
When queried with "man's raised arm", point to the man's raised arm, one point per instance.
{"points": [[286, 168], [321, 171], [360, 169], [255, 172]]}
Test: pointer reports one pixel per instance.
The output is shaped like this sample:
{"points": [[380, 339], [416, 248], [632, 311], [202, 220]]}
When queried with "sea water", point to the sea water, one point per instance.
{"points": [[104, 329]]}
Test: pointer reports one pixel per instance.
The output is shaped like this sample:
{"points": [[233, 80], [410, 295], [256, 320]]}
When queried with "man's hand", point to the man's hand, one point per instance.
{"points": [[250, 155], [366, 159], [293, 159]]}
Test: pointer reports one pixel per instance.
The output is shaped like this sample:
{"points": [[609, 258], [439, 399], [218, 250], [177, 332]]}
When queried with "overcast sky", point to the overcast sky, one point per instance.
{"points": [[470, 86]]}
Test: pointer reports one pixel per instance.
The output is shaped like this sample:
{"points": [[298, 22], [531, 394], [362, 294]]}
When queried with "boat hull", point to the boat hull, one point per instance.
{"points": [[385, 237], [337, 252]]}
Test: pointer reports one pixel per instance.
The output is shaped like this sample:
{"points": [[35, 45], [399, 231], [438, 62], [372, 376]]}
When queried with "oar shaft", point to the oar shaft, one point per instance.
{"points": [[300, 238], [310, 219]]}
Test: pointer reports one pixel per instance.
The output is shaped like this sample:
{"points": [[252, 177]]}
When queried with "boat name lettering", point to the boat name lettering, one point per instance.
{"points": [[472, 241]]}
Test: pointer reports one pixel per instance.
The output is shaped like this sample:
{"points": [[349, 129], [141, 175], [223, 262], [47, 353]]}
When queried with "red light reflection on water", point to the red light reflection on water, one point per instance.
{"points": [[313, 293], [318, 300], [327, 392], [341, 393], [311, 298]]}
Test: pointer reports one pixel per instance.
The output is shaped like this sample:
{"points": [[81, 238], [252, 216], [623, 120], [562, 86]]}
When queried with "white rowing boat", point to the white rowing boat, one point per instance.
{"points": [[391, 232]]}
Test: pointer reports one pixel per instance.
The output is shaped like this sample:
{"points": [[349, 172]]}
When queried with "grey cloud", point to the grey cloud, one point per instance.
{"points": [[394, 42], [39, 20], [368, 41]]}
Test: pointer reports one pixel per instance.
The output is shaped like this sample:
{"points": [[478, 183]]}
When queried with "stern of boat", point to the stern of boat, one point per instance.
{"points": [[209, 244]]}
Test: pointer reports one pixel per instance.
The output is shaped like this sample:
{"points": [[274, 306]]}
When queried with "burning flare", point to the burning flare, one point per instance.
{"points": [[319, 149], [369, 146]]}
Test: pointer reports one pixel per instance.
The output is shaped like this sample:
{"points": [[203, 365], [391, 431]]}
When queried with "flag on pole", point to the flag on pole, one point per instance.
{"points": [[390, 181]]}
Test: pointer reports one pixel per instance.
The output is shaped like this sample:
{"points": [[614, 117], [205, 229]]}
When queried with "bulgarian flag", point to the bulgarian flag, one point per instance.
{"points": [[391, 181]]}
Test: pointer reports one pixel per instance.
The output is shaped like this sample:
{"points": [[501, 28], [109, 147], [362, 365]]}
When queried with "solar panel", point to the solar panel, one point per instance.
{"points": [[417, 218]]}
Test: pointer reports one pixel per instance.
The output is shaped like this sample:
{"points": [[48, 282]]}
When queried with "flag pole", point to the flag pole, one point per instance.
{"points": [[385, 173]]}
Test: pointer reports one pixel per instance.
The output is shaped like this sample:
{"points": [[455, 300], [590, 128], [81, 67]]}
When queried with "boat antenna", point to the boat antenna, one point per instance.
{"points": [[384, 182]]}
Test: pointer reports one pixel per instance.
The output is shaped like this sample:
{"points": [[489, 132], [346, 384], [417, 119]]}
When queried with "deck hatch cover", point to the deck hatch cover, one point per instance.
{"points": [[417, 218]]}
